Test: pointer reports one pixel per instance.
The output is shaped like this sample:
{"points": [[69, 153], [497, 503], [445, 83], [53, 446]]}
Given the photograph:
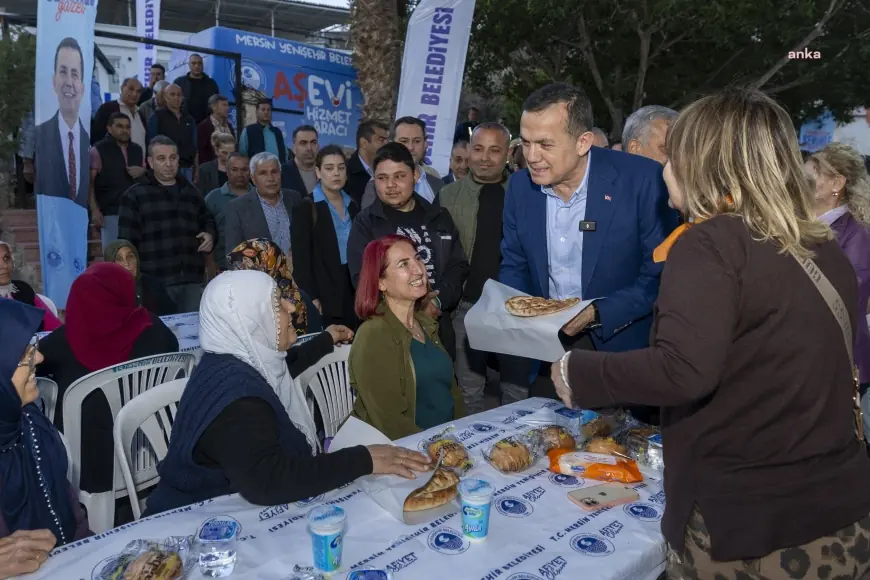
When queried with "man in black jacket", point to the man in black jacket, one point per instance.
{"points": [[399, 210], [197, 88], [116, 163], [165, 218], [371, 135], [179, 127]]}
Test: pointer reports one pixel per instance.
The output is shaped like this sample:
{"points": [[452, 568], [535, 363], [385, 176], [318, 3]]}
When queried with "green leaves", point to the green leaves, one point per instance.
{"points": [[694, 48], [17, 63]]}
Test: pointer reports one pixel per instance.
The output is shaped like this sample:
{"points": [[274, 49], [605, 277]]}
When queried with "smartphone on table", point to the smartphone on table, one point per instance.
{"points": [[601, 496]]}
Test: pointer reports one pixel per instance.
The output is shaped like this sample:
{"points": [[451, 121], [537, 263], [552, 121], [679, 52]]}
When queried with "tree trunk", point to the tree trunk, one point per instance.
{"points": [[377, 40]]}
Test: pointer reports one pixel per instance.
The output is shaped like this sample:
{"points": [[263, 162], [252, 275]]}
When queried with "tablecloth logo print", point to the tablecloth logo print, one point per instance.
{"points": [[309, 501], [514, 507], [447, 541], [523, 576], [566, 480], [658, 498], [483, 427], [592, 545], [643, 511]]}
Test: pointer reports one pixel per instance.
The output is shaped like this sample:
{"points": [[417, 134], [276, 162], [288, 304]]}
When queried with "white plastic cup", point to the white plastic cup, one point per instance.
{"points": [[476, 498], [326, 525]]}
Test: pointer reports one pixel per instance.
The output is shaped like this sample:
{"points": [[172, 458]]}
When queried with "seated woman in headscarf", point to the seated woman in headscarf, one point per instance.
{"points": [[243, 424], [150, 292], [264, 255], [22, 291], [104, 327], [38, 507]]}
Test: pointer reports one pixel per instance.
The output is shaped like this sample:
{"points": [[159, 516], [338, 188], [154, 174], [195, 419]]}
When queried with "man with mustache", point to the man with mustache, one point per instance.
{"points": [[476, 203], [62, 143]]}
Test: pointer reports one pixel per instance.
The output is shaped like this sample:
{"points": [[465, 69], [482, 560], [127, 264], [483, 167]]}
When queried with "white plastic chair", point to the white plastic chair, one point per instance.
{"points": [[69, 459], [119, 384], [49, 303], [47, 396], [154, 413], [329, 382]]}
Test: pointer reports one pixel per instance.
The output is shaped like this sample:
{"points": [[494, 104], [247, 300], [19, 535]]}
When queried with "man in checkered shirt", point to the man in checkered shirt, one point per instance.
{"points": [[164, 216]]}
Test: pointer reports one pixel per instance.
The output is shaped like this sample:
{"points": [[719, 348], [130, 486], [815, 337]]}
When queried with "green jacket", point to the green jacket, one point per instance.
{"points": [[460, 199], [382, 373]]}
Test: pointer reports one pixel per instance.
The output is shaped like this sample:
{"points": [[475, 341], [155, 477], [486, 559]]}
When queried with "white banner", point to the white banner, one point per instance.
{"points": [[148, 26], [432, 71]]}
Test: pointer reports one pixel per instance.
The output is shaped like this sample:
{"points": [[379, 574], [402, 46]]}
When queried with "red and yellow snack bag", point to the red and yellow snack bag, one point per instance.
{"points": [[596, 466]]}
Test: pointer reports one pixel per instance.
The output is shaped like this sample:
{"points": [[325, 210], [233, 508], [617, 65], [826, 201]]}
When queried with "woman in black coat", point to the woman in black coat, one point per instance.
{"points": [[320, 228]]}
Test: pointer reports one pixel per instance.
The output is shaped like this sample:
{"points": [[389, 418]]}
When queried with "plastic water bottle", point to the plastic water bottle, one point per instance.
{"points": [[216, 541]]}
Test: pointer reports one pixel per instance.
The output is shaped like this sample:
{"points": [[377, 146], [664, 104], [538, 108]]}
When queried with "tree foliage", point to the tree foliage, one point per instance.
{"points": [[630, 53], [17, 66]]}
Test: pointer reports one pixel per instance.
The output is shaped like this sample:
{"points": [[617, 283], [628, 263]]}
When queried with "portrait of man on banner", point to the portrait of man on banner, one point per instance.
{"points": [[62, 142]]}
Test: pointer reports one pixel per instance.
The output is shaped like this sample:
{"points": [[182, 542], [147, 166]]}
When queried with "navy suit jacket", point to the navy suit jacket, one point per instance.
{"points": [[627, 200], [50, 162]]}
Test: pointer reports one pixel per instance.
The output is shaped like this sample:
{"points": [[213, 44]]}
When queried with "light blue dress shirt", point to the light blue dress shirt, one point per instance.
{"points": [[278, 222], [341, 225], [565, 240], [422, 188]]}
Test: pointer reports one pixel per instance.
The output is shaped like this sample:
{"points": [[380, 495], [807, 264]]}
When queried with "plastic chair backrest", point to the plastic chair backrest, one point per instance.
{"points": [[152, 412], [329, 382], [120, 384], [47, 396], [49, 303]]}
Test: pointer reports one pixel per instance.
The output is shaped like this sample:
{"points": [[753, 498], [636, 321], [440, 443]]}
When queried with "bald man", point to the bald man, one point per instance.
{"points": [[172, 122]]}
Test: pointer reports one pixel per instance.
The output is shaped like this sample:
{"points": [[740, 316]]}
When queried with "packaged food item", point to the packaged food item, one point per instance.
{"points": [[596, 466], [155, 565], [326, 525], [556, 437], [476, 498], [598, 427], [655, 453], [637, 443], [606, 445], [441, 489], [513, 454], [168, 559], [455, 455]]}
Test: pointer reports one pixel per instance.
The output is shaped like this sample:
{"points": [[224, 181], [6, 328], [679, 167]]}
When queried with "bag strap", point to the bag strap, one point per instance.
{"points": [[841, 313], [833, 300]]}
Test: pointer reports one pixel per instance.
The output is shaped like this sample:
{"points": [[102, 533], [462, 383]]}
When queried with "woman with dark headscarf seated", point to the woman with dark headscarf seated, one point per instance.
{"points": [[38, 507], [264, 255], [104, 327], [20, 290], [243, 424], [150, 292]]}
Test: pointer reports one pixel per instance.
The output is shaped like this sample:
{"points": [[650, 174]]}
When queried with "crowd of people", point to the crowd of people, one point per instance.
{"points": [[732, 276]]}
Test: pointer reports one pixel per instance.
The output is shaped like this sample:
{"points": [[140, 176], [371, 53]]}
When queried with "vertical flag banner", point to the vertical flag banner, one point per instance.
{"points": [[432, 69], [147, 26], [64, 65]]}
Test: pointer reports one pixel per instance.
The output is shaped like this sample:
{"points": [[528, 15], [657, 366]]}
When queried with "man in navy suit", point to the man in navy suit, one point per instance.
{"points": [[62, 143], [583, 222]]}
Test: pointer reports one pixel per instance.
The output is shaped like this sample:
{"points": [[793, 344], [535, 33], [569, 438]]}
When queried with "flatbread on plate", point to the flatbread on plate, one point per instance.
{"points": [[529, 306]]}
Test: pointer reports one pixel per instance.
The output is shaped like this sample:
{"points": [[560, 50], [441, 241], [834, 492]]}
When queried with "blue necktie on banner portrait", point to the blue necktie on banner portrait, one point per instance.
{"points": [[64, 59]]}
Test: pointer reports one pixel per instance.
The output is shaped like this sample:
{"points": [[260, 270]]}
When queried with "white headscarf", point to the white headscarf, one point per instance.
{"points": [[238, 315]]}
